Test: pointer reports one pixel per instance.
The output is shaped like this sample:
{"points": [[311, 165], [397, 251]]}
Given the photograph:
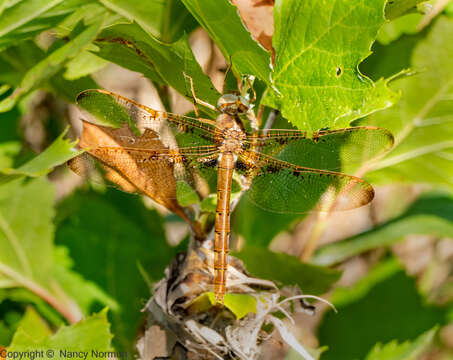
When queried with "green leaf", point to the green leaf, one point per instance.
{"points": [[83, 64], [17, 60], [84, 292], [185, 194], [26, 233], [431, 215], [7, 152], [317, 57], [52, 64], [391, 31], [22, 12], [60, 151], [391, 310], [239, 304], [42, 22], [449, 9], [90, 335], [26, 212], [396, 8], [129, 46], [176, 21], [88, 11], [209, 203], [34, 325], [379, 65], [146, 13], [223, 24], [405, 351], [287, 270], [116, 227], [421, 121]]}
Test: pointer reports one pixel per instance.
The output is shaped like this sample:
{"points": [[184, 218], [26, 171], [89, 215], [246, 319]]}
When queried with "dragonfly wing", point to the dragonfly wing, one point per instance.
{"points": [[109, 109], [141, 163], [281, 187], [334, 150]]}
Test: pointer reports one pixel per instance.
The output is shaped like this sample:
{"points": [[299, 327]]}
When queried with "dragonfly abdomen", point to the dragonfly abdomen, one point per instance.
{"points": [[222, 223]]}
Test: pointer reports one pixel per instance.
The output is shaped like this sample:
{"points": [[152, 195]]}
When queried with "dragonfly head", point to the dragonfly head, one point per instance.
{"points": [[233, 104]]}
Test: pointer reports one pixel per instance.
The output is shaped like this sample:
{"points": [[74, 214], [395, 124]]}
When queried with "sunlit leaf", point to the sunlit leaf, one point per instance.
{"points": [[403, 25], [60, 151], [7, 152], [239, 304], [84, 64], [421, 121], [34, 325], [90, 335], [317, 57], [405, 351], [378, 64]]}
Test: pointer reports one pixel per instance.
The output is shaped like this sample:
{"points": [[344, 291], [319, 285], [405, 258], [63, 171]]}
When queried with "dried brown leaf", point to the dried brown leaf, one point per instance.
{"points": [[258, 18]]}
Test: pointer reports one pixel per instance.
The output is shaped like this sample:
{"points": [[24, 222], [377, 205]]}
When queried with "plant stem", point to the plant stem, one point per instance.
{"points": [[39, 291]]}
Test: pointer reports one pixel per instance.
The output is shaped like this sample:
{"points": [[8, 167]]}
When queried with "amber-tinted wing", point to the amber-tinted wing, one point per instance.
{"points": [[282, 187], [142, 163], [113, 110], [334, 150]]}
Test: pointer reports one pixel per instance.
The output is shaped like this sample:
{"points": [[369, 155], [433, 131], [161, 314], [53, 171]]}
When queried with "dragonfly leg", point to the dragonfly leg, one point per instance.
{"points": [[196, 100]]}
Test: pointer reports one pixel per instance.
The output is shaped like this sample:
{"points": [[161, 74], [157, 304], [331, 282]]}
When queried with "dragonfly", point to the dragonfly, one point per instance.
{"points": [[282, 170]]}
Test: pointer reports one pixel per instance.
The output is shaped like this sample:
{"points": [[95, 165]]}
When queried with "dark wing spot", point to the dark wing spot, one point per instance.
{"points": [[272, 169], [240, 165]]}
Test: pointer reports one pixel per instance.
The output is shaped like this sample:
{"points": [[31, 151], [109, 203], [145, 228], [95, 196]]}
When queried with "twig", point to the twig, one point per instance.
{"points": [[438, 7]]}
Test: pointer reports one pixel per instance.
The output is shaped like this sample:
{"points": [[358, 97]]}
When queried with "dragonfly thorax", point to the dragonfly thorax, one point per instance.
{"points": [[232, 140], [233, 104]]}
